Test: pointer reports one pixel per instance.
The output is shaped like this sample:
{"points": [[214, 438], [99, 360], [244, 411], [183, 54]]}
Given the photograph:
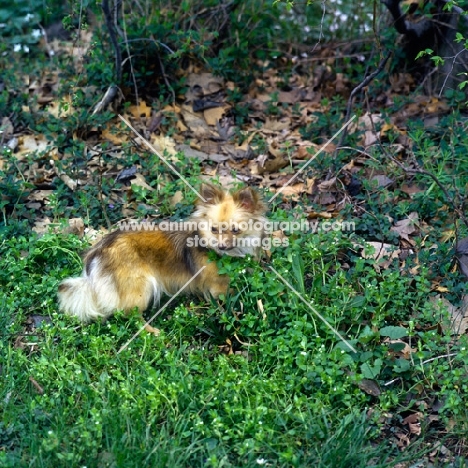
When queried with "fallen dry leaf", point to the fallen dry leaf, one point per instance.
{"points": [[274, 126], [29, 144], [366, 122], [462, 255], [6, 128], [371, 387], [195, 123], [404, 352], [382, 180], [272, 165], [412, 188], [164, 143], [370, 138], [413, 422], [192, 153], [406, 227], [41, 225], [326, 185], [458, 315], [214, 115], [176, 198], [140, 110], [112, 133], [207, 83], [61, 108], [381, 251], [140, 181], [293, 191], [65, 178]]}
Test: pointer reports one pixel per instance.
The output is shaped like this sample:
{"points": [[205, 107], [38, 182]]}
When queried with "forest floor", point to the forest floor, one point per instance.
{"points": [[259, 379]]}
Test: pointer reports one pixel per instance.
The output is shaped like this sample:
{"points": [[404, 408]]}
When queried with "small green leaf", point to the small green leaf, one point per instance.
{"points": [[401, 365], [371, 372], [394, 333], [422, 53]]}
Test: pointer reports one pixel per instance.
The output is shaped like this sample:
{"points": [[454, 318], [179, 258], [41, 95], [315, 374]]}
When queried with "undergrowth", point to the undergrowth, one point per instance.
{"points": [[260, 378]]}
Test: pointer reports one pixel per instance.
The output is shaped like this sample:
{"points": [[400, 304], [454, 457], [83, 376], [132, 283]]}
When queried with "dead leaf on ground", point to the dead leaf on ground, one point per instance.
{"points": [[406, 227], [113, 134], [61, 108], [366, 122], [293, 191], [207, 83], [176, 198], [72, 184], [370, 138], [140, 110], [75, 226], [93, 236], [41, 225], [371, 387], [326, 185], [239, 152], [195, 123], [214, 115], [140, 181], [326, 199], [6, 129], [411, 188], [462, 255], [458, 315], [402, 439], [31, 143], [381, 251], [399, 348], [414, 423], [382, 180], [261, 309], [272, 165], [164, 144], [217, 157], [306, 150], [274, 125], [192, 153], [321, 214]]}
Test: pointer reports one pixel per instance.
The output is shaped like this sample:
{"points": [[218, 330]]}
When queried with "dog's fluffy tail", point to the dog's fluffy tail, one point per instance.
{"points": [[76, 297]]}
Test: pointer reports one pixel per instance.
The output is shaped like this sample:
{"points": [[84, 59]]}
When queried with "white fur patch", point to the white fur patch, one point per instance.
{"points": [[104, 291], [77, 299], [94, 296], [155, 291], [89, 297]]}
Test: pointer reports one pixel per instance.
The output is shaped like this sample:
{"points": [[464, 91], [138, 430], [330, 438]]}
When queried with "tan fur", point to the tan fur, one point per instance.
{"points": [[126, 270]]}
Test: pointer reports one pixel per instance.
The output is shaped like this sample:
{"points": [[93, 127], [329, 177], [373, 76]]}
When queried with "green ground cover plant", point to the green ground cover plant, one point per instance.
{"points": [[258, 378]]}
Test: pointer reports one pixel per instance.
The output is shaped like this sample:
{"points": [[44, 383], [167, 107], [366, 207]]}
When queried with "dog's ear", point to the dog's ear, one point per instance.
{"points": [[248, 199], [211, 194]]}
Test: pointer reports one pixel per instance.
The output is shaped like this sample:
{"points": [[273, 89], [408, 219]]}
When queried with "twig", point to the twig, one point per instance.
{"points": [[356, 90], [448, 197], [106, 100], [111, 27], [163, 72], [443, 356], [112, 91], [39, 389], [438, 357], [449, 74], [101, 198], [418, 170], [132, 71]]}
